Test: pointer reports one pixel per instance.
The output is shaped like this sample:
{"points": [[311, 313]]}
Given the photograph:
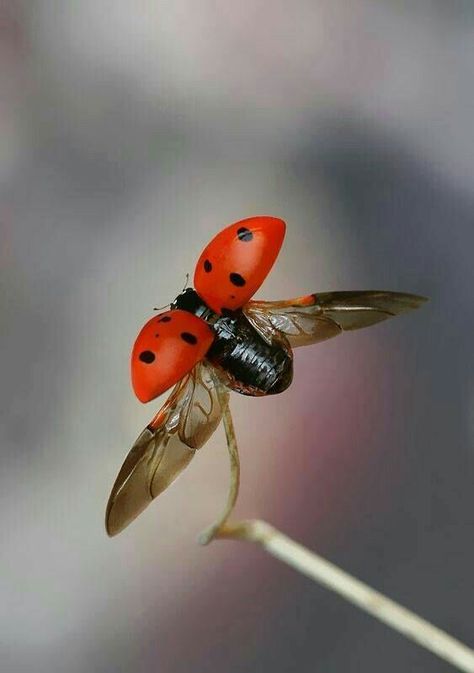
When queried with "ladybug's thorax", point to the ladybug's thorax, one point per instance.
{"points": [[190, 301]]}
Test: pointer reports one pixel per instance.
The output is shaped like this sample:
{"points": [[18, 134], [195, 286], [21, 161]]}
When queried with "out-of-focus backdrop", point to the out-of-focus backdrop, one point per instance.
{"points": [[130, 133]]}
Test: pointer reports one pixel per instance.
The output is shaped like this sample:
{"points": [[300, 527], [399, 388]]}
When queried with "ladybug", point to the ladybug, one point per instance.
{"points": [[215, 339]]}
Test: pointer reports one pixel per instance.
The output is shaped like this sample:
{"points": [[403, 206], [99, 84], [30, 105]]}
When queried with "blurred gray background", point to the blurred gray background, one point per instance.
{"points": [[130, 133]]}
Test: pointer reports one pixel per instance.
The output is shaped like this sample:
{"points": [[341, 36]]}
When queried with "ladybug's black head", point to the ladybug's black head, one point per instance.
{"points": [[188, 300]]}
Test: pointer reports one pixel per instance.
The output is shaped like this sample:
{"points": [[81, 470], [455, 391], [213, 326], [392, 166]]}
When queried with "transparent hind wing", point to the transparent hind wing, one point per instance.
{"points": [[165, 447], [317, 317], [204, 409]]}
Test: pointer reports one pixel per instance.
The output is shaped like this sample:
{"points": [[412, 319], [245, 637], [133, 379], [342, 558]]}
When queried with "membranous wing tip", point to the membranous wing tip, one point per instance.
{"points": [[166, 446], [316, 317]]}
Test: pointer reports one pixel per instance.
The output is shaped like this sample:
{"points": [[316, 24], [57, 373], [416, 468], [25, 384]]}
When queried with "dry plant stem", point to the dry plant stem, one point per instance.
{"points": [[330, 576], [358, 593]]}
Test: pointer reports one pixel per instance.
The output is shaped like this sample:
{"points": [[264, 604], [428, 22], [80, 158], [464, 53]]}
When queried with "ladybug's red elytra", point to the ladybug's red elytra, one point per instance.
{"points": [[167, 348], [215, 338], [236, 262]]}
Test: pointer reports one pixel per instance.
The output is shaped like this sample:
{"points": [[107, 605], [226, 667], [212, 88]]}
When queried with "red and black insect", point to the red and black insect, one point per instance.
{"points": [[215, 339]]}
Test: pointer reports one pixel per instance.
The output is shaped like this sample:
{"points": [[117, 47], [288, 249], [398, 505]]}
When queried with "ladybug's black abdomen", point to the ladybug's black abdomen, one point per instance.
{"points": [[250, 365]]}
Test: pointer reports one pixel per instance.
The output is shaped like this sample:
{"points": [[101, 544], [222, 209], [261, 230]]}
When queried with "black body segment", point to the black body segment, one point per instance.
{"points": [[249, 364]]}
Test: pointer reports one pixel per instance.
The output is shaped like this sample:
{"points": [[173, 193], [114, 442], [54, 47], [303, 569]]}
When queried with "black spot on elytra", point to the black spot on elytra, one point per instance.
{"points": [[244, 234], [207, 266], [157, 335], [165, 318], [189, 338], [147, 357], [237, 279]]}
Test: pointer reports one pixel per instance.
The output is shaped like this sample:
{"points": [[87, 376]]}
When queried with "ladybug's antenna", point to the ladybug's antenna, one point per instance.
{"points": [[160, 308], [186, 283]]}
